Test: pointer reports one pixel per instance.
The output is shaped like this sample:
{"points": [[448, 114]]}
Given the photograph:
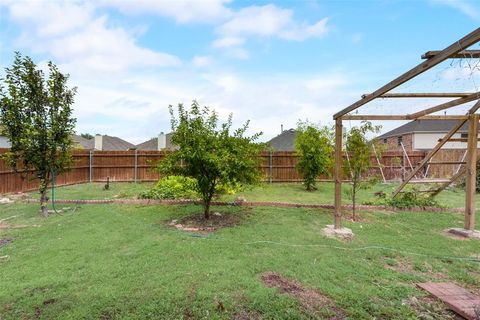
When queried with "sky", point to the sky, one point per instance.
{"points": [[271, 62]]}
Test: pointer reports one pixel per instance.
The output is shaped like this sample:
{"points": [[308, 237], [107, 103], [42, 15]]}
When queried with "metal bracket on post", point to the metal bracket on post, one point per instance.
{"points": [[270, 167], [90, 167], [136, 167]]}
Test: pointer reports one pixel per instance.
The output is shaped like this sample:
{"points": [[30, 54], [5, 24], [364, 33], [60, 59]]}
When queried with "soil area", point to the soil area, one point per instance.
{"points": [[314, 302]]}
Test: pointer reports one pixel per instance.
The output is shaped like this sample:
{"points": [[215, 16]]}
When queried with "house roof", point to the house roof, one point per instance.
{"points": [[425, 126], [152, 144], [114, 144], [81, 142], [285, 141]]}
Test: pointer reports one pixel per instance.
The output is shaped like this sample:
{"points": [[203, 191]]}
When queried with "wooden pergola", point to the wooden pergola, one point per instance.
{"points": [[432, 58]]}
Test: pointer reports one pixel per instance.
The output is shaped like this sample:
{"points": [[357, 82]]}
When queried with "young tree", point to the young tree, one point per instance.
{"points": [[37, 117], [211, 153], [314, 145], [360, 150]]}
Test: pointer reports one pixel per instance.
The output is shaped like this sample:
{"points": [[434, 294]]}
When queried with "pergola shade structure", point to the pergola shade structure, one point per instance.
{"points": [[432, 58]]}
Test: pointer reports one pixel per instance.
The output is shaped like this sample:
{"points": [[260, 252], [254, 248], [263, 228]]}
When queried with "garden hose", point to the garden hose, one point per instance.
{"points": [[53, 192]]}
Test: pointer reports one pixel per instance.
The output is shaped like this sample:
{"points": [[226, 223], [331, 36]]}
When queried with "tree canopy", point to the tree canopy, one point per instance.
{"points": [[36, 114], [314, 145], [211, 153]]}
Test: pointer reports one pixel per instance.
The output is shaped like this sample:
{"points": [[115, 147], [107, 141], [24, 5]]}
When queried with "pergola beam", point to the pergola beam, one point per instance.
{"points": [[471, 97], [464, 54], [400, 117], [441, 56], [432, 152], [424, 95]]}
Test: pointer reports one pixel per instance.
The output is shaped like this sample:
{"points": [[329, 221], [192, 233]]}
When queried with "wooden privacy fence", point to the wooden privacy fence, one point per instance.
{"points": [[277, 166]]}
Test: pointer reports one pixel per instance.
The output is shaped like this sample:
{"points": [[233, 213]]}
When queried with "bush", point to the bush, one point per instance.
{"points": [[172, 187], [406, 200]]}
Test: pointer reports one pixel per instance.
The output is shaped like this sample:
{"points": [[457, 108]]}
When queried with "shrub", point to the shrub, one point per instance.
{"points": [[408, 199], [314, 145], [172, 187]]}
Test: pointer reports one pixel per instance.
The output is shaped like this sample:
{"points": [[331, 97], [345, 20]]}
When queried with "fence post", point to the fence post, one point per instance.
{"points": [[90, 167], [270, 167], [136, 166]]}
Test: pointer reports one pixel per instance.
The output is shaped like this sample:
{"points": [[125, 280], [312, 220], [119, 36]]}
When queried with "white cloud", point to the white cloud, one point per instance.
{"points": [[464, 6], [228, 42], [124, 89], [270, 21], [72, 34], [201, 61], [183, 11]]}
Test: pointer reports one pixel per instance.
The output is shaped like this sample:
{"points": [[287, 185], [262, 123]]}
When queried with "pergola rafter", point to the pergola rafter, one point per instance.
{"points": [[456, 50]]}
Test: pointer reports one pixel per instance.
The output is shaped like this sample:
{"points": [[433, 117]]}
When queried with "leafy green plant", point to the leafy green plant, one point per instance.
{"points": [[405, 200], [360, 150], [36, 116], [314, 145], [211, 153], [172, 187]]}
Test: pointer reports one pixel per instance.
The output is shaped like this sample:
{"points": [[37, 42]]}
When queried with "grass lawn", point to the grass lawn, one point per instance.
{"points": [[125, 262], [283, 192]]}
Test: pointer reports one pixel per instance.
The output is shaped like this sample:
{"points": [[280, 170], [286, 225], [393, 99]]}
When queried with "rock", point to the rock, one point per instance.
{"points": [[5, 201], [240, 199], [472, 234], [218, 214], [342, 233]]}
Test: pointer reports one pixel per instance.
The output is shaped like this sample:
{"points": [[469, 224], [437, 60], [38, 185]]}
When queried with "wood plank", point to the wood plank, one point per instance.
{"points": [[446, 105], [471, 172], [462, 44], [456, 298], [449, 182], [424, 95], [401, 117], [338, 173], [432, 152], [464, 54], [429, 156]]}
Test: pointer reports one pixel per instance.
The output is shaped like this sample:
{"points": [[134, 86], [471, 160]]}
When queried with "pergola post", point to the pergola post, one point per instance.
{"points": [[471, 172], [338, 173]]}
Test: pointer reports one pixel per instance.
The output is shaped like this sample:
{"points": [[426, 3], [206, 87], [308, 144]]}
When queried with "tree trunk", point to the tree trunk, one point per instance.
{"points": [[354, 195], [43, 202], [206, 210]]}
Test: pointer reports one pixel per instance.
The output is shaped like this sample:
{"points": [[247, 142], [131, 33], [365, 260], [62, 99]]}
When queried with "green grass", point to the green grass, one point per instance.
{"points": [[284, 192], [96, 191], [124, 262]]}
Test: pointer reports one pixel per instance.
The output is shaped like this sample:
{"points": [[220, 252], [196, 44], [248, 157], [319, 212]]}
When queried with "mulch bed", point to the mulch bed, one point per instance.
{"points": [[197, 222], [314, 302]]}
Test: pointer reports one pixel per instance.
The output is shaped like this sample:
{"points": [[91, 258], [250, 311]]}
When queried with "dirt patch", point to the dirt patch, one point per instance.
{"points": [[247, 315], [428, 307], [197, 222], [5, 241], [313, 301], [16, 226]]}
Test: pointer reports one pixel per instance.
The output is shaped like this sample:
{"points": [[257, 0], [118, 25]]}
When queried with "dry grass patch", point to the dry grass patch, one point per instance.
{"points": [[314, 302]]}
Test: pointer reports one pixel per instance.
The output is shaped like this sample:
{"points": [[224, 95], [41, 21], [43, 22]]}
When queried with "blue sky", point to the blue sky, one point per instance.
{"points": [[273, 62]]}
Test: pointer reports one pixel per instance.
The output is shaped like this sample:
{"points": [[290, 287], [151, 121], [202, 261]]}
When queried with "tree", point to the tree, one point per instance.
{"points": [[37, 117], [211, 153], [86, 136], [359, 149], [314, 145]]}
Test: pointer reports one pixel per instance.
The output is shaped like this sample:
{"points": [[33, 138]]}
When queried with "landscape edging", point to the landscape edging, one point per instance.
{"points": [[243, 203]]}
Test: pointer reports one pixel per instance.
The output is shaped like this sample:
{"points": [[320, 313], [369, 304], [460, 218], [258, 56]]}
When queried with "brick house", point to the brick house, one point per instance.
{"points": [[421, 135]]}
